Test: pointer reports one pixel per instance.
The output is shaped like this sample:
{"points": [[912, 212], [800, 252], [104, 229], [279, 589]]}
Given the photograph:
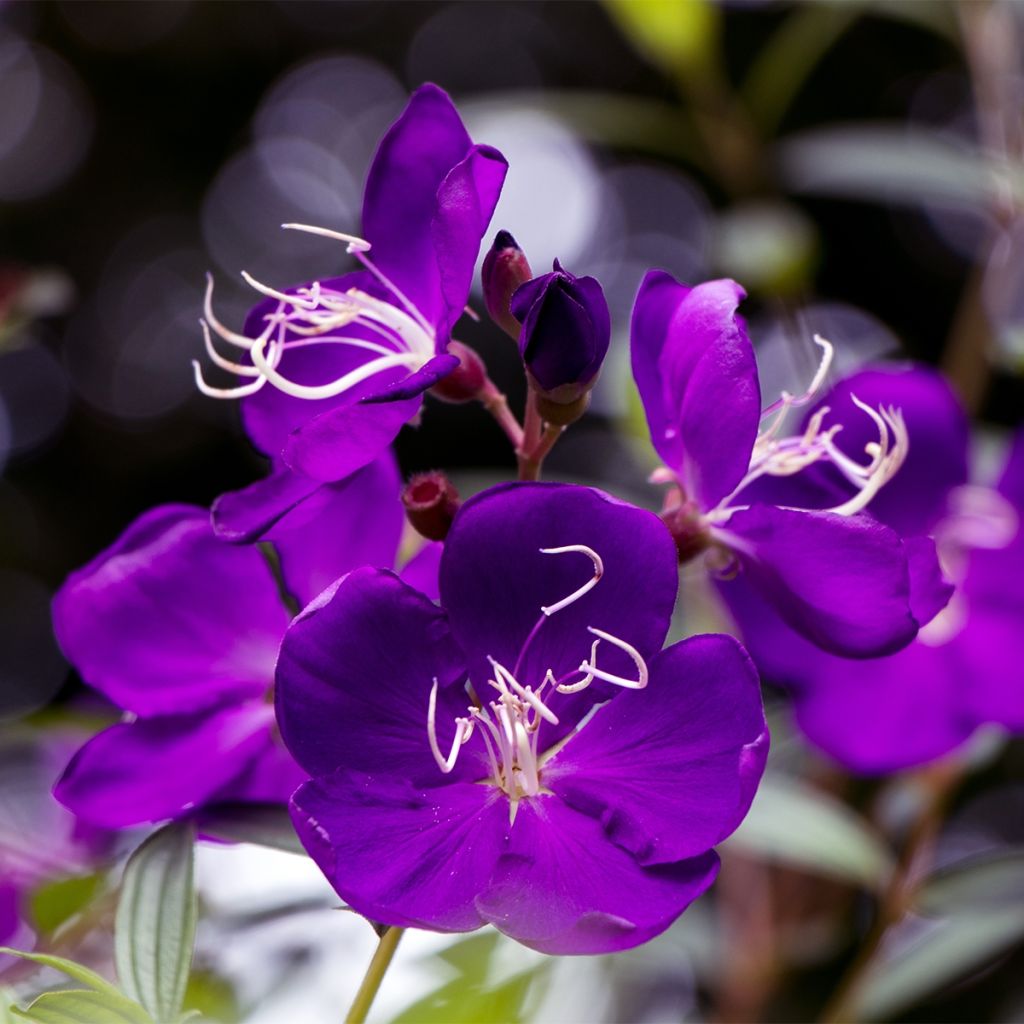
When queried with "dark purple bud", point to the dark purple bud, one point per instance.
{"points": [[431, 501], [505, 269], [565, 335], [466, 381]]}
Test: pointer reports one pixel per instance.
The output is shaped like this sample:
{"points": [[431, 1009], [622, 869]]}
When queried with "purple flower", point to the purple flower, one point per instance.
{"points": [[525, 755], [347, 359], [839, 578], [565, 332], [181, 630], [966, 667]]}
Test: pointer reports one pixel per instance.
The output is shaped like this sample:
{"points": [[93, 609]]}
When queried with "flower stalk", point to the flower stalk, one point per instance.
{"points": [[382, 958]]}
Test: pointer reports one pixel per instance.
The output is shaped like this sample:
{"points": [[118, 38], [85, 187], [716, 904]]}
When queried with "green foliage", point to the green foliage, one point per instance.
{"points": [[211, 998], [156, 921], [677, 35], [55, 902], [474, 995], [942, 953], [101, 1003], [797, 825], [84, 1006]]}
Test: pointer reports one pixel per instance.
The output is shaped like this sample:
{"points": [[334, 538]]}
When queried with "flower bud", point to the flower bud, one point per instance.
{"points": [[505, 269], [431, 501], [466, 381], [565, 335]]}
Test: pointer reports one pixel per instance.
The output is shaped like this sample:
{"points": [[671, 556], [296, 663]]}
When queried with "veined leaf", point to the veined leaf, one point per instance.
{"points": [[83, 1006], [68, 967], [156, 921]]}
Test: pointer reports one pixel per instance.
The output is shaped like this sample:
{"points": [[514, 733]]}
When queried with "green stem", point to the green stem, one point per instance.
{"points": [[374, 976]]}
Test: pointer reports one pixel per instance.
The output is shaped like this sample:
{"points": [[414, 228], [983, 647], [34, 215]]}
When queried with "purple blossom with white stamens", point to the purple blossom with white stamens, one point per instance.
{"points": [[525, 754], [839, 578], [964, 669], [333, 369], [181, 630]]}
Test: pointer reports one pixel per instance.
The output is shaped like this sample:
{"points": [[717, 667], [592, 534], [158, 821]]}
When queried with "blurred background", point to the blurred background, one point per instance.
{"points": [[856, 165]]}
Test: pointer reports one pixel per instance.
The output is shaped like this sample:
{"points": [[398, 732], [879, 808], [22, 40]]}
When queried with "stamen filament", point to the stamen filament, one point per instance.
{"points": [[587, 587]]}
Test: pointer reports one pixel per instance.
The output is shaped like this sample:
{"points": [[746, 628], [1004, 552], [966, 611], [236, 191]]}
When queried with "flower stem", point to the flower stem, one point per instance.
{"points": [[495, 402], [530, 462], [941, 780], [374, 976]]}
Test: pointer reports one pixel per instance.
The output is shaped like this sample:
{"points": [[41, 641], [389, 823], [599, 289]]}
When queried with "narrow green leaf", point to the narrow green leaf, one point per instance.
{"points": [[264, 825], [795, 824], [985, 883], [156, 921], [68, 967], [83, 1006], [461, 1002], [675, 34], [55, 902], [944, 953]]}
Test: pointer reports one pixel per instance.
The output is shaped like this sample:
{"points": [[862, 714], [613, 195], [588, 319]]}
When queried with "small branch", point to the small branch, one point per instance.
{"points": [[495, 402], [530, 462], [941, 780], [374, 975]]}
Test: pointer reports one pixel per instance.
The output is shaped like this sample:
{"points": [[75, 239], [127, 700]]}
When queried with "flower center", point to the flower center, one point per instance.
{"points": [[317, 315], [510, 724]]}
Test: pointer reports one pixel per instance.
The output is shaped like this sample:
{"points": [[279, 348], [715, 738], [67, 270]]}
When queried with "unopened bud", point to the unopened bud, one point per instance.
{"points": [[565, 335], [466, 381], [431, 501], [505, 269]]}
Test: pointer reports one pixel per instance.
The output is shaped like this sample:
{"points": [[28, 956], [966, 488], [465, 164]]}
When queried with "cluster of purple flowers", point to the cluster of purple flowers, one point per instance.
{"points": [[492, 731]]}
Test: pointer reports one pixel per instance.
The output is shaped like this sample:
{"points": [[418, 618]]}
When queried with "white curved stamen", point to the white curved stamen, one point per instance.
{"points": [[592, 671], [587, 587], [787, 401], [316, 315], [463, 731]]}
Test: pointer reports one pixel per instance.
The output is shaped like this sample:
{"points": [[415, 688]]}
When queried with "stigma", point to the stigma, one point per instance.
{"points": [[392, 334], [511, 721]]}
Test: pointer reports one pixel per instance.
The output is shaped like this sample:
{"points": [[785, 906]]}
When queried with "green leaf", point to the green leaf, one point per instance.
{"points": [[797, 825], [211, 997], [943, 953], [156, 921], [891, 163], [55, 902], [264, 825], [461, 1002], [83, 1006], [68, 967], [991, 882], [675, 34]]}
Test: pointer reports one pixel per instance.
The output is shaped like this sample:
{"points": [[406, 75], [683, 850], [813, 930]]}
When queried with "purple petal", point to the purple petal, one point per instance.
{"points": [[271, 778], [415, 383], [1011, 482], [246, 515], [160, 768], [344, 525], [991, 663], [671, 770], [930, 591], [403, 856], [883, 715], [421, 572], [563, 888], [400, 201], [171, 618], [695, 369], [495, 580], [354, 679], [465, 203], [338, 442], [841, 582]]}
